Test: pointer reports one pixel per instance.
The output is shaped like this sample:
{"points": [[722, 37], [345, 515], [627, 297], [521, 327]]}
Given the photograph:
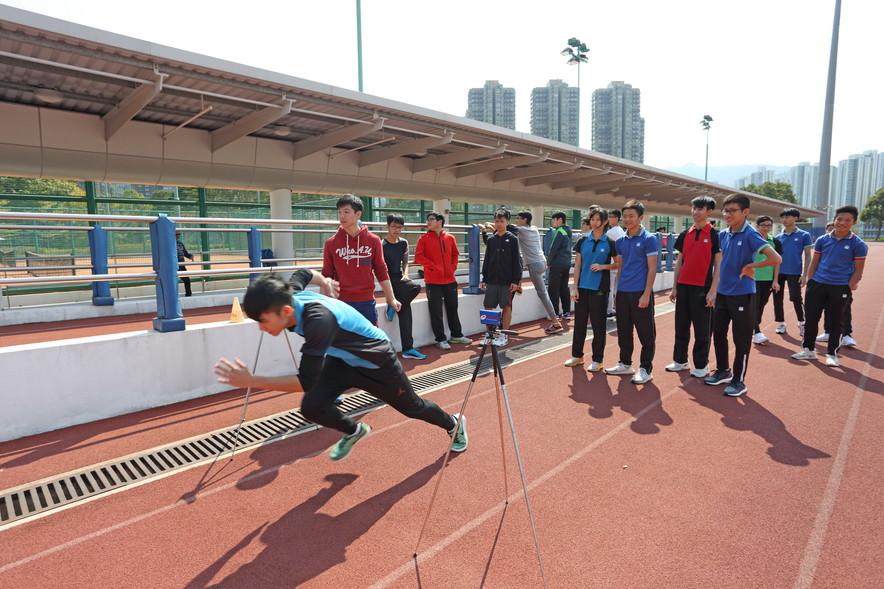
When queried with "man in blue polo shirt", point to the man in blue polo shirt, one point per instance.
{"points": [[735, 300], [596, 257], [793, 271], [835, 270], [638, 251]]}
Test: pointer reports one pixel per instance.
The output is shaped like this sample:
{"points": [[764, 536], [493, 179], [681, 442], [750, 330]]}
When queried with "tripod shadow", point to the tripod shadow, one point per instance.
{"points": [[745, 414], [304, 543]]}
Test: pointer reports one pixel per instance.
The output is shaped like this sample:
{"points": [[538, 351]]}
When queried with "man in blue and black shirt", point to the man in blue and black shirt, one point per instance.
{"points": [[341, 350]]}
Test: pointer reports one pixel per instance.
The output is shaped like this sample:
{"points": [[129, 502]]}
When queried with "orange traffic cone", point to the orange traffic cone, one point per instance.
{"points": [[236, 312]]}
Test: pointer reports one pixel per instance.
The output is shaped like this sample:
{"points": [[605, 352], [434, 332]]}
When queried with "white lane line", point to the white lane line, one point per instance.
{"points": [[817, 539]]}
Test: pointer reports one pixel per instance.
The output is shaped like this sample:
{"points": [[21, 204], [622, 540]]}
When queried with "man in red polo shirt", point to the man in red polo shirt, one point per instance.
{"points": [[696, 283]]}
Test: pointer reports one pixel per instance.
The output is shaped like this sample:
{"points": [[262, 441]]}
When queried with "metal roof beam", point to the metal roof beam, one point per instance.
{"points": [[130, 106], [498, 164], [319, 143], [618, 183], [534, 171], [367, 158], [248, 124], [452, 159], [575, 179]]}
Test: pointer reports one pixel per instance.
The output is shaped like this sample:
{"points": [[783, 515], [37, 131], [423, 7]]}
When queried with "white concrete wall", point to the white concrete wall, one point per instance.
{"points": [[53, 385]]}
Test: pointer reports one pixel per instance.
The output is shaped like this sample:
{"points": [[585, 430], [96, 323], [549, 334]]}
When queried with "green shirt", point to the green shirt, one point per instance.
{"points": [[765, 273]]}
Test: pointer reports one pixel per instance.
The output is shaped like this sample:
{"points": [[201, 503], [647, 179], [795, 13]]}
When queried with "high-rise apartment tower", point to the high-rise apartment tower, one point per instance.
{"points": [[555, 112], [617, 126], [493, 104]]}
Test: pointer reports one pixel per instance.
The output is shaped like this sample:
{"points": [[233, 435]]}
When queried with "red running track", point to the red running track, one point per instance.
{"points": [[669, 484]]}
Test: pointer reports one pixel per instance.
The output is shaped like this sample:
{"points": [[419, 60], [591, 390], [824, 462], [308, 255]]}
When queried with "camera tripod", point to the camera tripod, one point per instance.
{"points": [[500, 391]]}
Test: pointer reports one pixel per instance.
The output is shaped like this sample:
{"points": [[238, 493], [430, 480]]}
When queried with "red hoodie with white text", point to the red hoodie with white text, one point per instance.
{"points": [[355, 262]]}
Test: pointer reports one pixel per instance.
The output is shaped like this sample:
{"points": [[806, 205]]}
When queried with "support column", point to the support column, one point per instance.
{"points": [[678, 224], [282, 243], [443, 205], [537, 214]]}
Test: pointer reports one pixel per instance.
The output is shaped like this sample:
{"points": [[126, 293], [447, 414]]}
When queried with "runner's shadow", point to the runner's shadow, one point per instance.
{"points": [[645, 405], [304, 543], [746, 414]]}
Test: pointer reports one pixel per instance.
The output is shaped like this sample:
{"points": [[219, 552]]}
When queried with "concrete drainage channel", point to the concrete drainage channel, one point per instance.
{"points": [[38, 498]]}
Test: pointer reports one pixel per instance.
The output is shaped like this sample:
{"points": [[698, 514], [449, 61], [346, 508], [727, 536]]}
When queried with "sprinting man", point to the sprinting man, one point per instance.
{"points": [[735, 301], [558, 262], [596, 257], [405, 290], [638, 250], [501, 272], [437, 252], [837, 267], [354, 257], [766, 278], [696, 285], [797, 245], [341, 350]]}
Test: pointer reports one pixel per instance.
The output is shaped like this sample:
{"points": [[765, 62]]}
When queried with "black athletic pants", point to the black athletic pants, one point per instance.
{"points": [[739, 309], [846, 318], [691, 310], [831, 298], [437, 294], [591, 305], [186, 281], [794, 295], [405, 292], [388, 383], [630, 316], [557, 286], [762, 295]]}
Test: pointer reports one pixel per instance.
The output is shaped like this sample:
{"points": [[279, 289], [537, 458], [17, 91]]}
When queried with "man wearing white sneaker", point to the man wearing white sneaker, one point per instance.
{"points": [[797, 244], [501, 272], [735, 301], [696, 283], [835, 270], [638, 251], [765, 278]]}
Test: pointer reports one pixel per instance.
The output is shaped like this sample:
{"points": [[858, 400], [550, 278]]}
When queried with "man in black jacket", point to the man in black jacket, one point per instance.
{"points": [[501, 271]]}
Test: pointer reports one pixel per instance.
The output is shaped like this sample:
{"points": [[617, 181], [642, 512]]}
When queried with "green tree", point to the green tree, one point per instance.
{"points": [[778, 190], [873, 212]]}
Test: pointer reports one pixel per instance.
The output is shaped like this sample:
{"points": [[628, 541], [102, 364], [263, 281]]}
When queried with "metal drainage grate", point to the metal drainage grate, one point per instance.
{"points": [[36, 498]]}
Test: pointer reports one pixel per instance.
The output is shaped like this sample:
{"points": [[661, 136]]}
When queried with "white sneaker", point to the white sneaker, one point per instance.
{"points": [[700, 372], [443, 345], [805, 354], [781, 328], [678, 367], [848, 341], [621, 368], [760, 338], [823, 338], [832, 360], [594, 367], [501, 340], [642, 377], [574, 361], [801, 329]]}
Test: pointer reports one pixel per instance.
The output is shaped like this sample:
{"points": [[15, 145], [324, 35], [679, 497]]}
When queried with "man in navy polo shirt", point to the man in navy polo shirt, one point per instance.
{"points": [[835, 270], [596, 257], [696, 283], [638, 251], [735, 300], [796, 257]]}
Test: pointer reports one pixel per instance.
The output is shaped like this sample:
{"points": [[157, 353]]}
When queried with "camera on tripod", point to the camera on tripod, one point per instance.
{"points": [[491, 318]]}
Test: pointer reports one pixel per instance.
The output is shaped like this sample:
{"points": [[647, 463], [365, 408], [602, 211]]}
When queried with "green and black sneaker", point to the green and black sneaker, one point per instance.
{"points": [[342, 449], [460, 436]]}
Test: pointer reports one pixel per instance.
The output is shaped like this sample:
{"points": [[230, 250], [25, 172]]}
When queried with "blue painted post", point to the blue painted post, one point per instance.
{"points": [[101, 294], [661, 250], [254, 239], [670, 252], [164, 253], [475, 261]]}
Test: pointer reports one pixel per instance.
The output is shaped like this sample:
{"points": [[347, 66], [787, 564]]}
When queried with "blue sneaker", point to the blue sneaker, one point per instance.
{"points": [[391, 312], [342, 449], [413, 353], [339, 400], [460, 437]]}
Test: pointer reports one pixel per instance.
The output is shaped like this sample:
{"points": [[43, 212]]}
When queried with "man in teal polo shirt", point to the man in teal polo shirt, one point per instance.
{"points": [[766, 279], [638, 251], [735, 300]]}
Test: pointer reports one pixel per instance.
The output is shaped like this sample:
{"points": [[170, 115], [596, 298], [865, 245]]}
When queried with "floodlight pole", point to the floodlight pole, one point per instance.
{"points": [[359, 40], [825, 170]]}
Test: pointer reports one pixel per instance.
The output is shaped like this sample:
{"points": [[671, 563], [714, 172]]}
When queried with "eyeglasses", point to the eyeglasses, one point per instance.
{"points": [[730, 211], [765, 224]]}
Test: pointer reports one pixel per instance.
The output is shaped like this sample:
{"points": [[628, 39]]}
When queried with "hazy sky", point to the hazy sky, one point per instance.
{"points": [[758, 67]]}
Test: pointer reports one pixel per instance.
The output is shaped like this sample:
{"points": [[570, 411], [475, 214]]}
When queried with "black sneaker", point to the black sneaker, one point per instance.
{"points": [[719, 377], [735, 389]]}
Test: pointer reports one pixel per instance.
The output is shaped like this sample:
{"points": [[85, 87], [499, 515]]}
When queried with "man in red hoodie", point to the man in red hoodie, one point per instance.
{"points": [[354, 257], [437, 252]]}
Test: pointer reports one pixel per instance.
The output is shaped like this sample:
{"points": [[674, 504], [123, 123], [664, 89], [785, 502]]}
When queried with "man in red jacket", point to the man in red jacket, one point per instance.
{"points": [[437, 252], [354, 257]]}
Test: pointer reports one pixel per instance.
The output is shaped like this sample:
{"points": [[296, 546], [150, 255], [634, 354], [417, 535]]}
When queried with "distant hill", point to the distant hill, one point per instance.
{"points": [[724, 175]]}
